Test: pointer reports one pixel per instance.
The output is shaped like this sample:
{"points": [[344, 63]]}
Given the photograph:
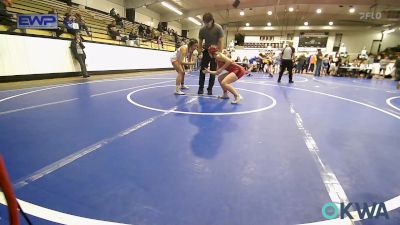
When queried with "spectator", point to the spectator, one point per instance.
{"points": [[371, 58], [277, 62], [69, 23], [245, 63], [148, 33], [60, 26], [313, 60], [141, 30], [245, 60], [133, 35], [153, 34], [195, 56], [78, 52], [301, 61], [119, 21], [160, 41], [82, 24], [325, 65], [237, 59], [177, 41], [113, 13], [159, 27], [69, 2], [384, 62], [319, 58], [365, 69], [397, 66], [7, 18], [333, 69], [114, 32]]}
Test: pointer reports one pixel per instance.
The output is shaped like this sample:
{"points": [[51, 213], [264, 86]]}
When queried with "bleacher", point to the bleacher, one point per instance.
{"points": [[96, 21]]}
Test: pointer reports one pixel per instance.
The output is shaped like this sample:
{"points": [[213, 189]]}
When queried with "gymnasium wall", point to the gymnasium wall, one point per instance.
{"points": [[194, 33], [353, 40], [176, 26], [151, 18], [21, 55], [146, 16], [104, 5]]}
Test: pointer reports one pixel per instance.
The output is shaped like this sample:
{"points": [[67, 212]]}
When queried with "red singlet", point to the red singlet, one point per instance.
{"points": [[233, 68]]}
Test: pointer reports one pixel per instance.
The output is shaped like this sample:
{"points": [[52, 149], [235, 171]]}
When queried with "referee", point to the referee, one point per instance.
{"points": [[287, 62], [212, 34]]}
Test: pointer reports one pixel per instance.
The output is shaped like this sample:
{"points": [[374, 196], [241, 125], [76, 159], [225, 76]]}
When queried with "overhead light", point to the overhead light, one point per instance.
{"points": [[389, 31], [305, 23], [352, 10], [247, 24], [330, 23], [269, 13], [241, 13], [171, 7], [194, 21], [269, 24], [319, 11], [291, 9]]}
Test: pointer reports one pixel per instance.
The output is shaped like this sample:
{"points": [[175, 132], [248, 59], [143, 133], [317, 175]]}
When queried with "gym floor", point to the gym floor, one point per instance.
{"points": [[126, 150]]}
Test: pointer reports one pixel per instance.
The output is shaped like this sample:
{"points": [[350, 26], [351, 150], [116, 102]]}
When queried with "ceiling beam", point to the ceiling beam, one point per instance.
{"points": [[139, 3], [303, 28], [258, 3]]}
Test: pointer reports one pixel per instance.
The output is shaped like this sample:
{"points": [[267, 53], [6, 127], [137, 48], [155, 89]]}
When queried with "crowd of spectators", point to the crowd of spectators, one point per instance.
{"points": [[73, 23], [381, 65]]}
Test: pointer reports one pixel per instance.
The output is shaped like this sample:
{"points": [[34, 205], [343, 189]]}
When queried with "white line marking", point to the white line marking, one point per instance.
{"points": [[79, 154], [201, 113], [74, 84], [332, 184], [271, 80], [146, 85], [349, 85], [330, 95], [389, 102], [69, 100], [37, 106], [56, 216], [95, 81]]}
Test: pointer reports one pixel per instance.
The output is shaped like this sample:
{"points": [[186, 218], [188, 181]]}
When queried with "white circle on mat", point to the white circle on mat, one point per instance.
{"points": [[129, 97], [389, 102]]}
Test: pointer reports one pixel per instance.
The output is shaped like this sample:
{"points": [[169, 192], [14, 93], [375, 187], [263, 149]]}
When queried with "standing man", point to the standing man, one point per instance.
{"points": [[212, 34], [319, 63], [397, 66], [287, 62], [79, 54]]}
